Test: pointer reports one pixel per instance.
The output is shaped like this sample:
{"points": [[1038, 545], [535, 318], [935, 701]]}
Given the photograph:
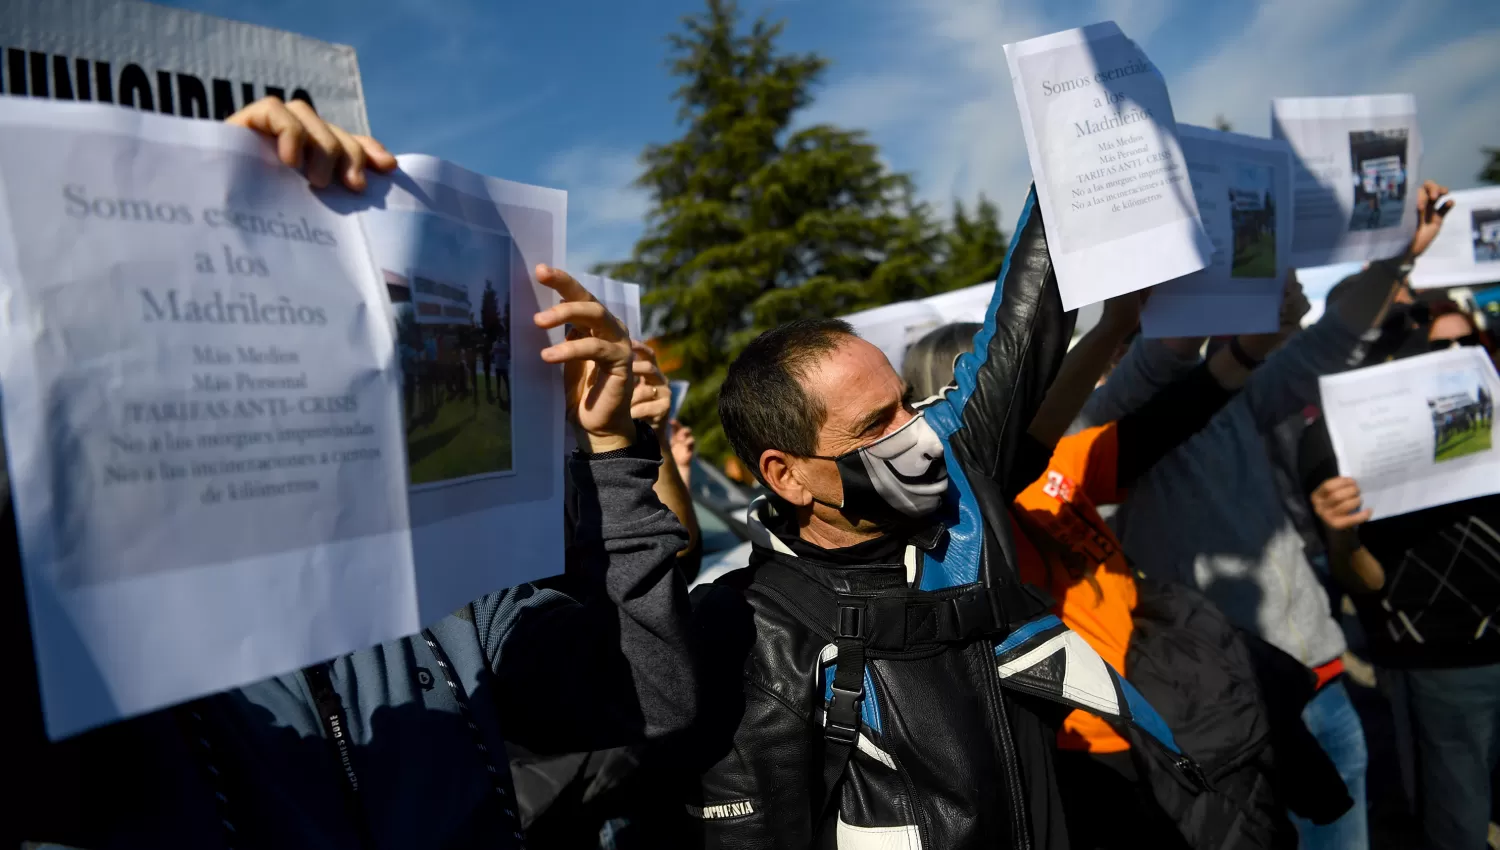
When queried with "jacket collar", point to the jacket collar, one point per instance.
{"points": [[763, 522]]}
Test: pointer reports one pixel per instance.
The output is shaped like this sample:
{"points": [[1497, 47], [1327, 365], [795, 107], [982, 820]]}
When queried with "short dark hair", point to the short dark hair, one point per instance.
{"points": [[762, 404]]}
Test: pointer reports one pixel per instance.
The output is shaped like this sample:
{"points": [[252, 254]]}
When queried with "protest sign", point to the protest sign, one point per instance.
{"points": [[204, 392], [1467, 249], [1244, 189], [1418, 431], [483, 435], [1109, 171], [1356, 163], [171, 61]]}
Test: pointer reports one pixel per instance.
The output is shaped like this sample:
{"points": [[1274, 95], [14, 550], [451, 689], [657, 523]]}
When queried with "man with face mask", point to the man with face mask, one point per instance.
{"points": [[890, 681]]}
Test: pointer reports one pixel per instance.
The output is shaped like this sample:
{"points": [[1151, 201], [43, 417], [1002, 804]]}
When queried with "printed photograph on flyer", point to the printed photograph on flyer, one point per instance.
{"points": [[1252, 206], [1485, 225], [1463, 416], [450, 290], [1378, 161]]}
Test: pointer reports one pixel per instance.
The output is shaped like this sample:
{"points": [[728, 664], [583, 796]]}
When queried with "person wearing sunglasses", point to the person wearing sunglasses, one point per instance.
{"points": [[1452, 327], [1424, 585]]}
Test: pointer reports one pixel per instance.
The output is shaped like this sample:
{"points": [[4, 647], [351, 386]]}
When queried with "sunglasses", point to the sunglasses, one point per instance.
{"points": [[1445, 344]]}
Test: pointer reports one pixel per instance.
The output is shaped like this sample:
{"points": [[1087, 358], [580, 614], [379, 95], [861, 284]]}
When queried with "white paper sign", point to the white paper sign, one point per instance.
{"points": [[1244, 190], [1416, 432], [1467, 249], [483, 435], [171, 61], [202, 412], [1357, 171], [1109, 171], [205, 365]]}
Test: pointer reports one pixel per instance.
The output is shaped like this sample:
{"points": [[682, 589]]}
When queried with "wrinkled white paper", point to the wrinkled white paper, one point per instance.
{"points": [[1467, 249], [1109, 171], [205, 365], [486, 469], [1243, 187], [1357, 161], [201, 412], [1416, 432]]}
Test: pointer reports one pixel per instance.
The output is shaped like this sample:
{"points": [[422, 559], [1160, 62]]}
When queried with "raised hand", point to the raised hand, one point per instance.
{"points": [[307, 142], [597, 363], [652, 400], [1430, 216]]}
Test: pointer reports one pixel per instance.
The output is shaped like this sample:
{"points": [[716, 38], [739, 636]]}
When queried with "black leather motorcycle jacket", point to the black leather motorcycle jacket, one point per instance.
{"points": [[910, 703]]}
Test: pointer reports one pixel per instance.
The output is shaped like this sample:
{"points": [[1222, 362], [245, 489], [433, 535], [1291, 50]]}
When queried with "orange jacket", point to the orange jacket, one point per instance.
{"points": [[1064, 547]]}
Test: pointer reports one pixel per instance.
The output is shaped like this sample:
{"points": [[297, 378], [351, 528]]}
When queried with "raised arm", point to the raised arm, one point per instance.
{"points": [[1148, 366], [1174, 413], [1288, 382], [652, 403], [1001, 384], [616, 667], [1084, 364]]}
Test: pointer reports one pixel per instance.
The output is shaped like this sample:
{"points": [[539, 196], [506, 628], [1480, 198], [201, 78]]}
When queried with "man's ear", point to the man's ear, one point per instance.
{"points": [[776, 471]]}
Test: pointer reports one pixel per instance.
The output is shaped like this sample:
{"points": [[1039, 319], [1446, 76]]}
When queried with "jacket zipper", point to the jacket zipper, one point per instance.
{"points": [[1020, 815], [925, 834]]}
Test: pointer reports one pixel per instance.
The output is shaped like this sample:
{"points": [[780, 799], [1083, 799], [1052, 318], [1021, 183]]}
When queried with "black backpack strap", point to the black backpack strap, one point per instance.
{"points": [[895, 621], [841, 724]]}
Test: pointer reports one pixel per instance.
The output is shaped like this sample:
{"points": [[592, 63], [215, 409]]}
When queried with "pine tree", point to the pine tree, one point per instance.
{"points": [[973, 248], [1491, 171], [754, 224]]}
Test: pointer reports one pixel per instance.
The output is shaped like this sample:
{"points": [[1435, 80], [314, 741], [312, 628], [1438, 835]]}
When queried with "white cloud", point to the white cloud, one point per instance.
{"points": [[941, 106], [605, 212]]}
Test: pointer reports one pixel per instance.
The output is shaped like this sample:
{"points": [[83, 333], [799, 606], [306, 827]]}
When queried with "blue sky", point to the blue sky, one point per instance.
{"points": [[565, 93]]}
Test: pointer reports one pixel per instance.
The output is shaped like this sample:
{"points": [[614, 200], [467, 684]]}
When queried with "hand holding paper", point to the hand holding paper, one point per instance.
{"points": [[305, 140], [1433, 205], [1338, 504], [1468, 251], [596, 360], [1416, 432]]}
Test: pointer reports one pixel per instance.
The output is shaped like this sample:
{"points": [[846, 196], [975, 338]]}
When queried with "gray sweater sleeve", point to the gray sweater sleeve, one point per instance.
{"points": [[610, 662], [1147, 367], [1288, 381]]}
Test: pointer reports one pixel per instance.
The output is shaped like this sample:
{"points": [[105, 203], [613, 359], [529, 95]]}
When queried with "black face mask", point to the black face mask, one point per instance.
{"points": [[1403, 333], [899, 477]]}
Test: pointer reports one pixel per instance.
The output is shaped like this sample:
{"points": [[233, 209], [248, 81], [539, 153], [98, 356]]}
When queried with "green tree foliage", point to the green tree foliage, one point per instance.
{"points": [[1491, 171], [755, 223], [973, 246]]}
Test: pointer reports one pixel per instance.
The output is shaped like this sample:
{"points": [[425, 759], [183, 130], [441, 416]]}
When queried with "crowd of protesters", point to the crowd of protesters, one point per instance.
{"points": [[1026, 594]]}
